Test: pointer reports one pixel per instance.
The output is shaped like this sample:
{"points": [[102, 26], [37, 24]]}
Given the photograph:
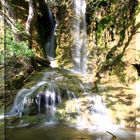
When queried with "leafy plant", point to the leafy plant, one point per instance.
{"points": [[14, 48]]}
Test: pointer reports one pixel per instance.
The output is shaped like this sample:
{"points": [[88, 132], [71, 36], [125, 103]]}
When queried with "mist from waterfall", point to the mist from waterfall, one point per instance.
{"points": [[79, 37], [99, 118]]}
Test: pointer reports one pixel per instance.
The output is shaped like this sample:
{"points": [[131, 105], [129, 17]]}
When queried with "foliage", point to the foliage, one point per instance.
{"points": [[14, 48], [113, 24]]}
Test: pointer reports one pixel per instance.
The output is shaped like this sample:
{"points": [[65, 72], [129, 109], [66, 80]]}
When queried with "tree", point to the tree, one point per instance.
{"points": [[30, 20]]}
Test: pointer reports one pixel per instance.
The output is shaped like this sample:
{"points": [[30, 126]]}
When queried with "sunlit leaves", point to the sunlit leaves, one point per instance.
{"points": [[14, 48]]}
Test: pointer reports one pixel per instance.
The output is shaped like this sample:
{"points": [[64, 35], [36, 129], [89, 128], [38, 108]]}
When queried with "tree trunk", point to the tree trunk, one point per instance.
{"points": [[29, 27], [30, 21]]}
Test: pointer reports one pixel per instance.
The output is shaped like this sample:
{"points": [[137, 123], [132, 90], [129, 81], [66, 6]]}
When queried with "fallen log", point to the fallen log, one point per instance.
{"points": [[43, 62]]}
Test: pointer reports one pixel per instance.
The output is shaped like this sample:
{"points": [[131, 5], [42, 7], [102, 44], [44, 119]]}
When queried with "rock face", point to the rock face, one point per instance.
{"points": [[111, 49], [110, 39], [63, 12], [110, 33]]}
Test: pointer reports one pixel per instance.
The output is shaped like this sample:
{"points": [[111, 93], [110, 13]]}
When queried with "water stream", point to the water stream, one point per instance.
{"points": [[51, 44], [80, 36]]}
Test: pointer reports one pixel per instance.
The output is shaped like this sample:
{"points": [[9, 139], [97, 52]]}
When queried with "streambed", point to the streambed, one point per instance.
{"points": [[64, 132]]}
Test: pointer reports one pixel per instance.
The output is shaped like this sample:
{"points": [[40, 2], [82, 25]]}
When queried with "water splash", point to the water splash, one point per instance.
{"points": [[97, 118], [100, 114], [80, 35]]}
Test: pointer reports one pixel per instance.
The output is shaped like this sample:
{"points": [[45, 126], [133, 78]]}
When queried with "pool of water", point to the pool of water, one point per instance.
{"points": [[64, 132]]}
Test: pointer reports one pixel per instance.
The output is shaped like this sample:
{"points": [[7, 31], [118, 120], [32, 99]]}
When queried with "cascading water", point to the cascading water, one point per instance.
{"points": [[54, 99], [40, 98], [50, 44], [80, 35], [98, 115], [43, 98], [22, 99], [71, 95]]}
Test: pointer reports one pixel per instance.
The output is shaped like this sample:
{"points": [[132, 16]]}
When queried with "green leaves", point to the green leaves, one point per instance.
{"points": [[15, 48]]}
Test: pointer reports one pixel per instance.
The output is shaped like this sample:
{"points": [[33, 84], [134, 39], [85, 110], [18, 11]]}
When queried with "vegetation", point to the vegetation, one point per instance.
{"points": [[113, 53], [14, 48]]}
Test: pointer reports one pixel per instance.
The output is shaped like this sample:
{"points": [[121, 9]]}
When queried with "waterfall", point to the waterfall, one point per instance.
{"points": [[54, 98], [50, 44], [22, 99], [40, 98], [80, 35]]}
